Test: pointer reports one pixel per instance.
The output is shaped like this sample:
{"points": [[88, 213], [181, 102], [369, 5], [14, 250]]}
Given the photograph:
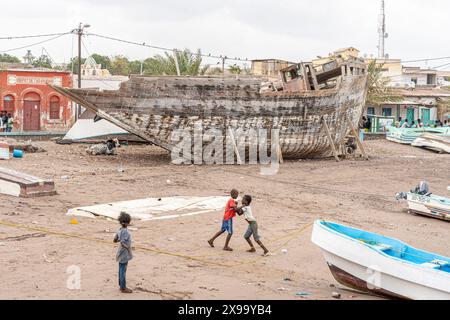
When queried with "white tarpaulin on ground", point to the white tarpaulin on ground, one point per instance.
{"points": [[154, 208], [87, 128]]}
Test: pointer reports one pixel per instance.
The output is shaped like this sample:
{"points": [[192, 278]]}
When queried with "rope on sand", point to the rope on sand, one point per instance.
{"points": [[141, 248]]}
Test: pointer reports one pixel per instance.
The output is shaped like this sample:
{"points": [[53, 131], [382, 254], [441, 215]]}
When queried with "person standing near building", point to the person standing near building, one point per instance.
{"points": [[9, 123], [3, 121]]}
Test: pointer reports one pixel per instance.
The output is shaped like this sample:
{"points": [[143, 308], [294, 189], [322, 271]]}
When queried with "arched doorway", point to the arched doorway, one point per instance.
{"points": [[9, 104], [31, 112]]}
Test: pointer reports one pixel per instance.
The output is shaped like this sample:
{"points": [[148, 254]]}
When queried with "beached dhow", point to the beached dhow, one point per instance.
{"points": [[380, 265], [312, 107]]}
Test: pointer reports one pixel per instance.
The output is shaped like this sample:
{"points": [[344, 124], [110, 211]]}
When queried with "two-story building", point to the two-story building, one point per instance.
{"points": [[418, 92], [34, 105]]}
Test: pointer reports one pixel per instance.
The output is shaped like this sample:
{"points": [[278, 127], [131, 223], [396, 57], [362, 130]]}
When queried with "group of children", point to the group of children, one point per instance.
{"points": [[418, 124], [123, 236], [231, 209], [6, 121]]}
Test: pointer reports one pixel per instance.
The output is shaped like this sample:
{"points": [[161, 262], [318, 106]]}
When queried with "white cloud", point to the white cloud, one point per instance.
{"points": [[288, 29]]}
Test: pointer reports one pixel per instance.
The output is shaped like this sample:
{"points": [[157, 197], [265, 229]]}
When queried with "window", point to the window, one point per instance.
{"points": [[54, 108], [8, 104], [371, 111], [387, 112]]}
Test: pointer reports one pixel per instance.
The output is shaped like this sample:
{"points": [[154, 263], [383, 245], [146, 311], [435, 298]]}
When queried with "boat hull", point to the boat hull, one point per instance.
{"points": [[429, 206], [155, 108], [359, 266]]}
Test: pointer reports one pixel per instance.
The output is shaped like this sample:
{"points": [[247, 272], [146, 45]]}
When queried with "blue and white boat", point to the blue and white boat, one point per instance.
{"points": [[422, 202], [380, 265]]}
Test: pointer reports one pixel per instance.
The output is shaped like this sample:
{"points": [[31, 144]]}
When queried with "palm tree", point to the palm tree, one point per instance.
{"points": [[188, 62], [378, 89]]}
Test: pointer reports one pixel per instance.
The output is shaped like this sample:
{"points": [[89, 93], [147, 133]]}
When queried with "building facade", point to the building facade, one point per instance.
{"points": [[269, 67], [90, 68], [414, 104], [34, 105], [418, 91]]}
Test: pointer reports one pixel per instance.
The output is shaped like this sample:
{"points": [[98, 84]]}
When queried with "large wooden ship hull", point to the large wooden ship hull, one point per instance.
{"points": [[153, 107]]}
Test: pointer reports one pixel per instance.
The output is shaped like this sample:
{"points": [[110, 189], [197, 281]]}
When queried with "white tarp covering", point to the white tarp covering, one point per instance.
{"points": [[154, 208], [87, 128]]}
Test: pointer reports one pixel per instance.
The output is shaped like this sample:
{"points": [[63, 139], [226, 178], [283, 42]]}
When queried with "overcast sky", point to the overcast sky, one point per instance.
{"points": [[287, 29]]}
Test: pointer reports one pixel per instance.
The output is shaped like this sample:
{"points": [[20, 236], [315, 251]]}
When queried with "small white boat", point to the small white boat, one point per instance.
{"points": [[422, 202], [380, 265], [433, 142], [429, 205]]}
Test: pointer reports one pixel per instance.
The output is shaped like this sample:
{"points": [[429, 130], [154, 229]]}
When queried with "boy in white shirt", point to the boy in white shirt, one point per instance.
{"points": [[252, 229]]}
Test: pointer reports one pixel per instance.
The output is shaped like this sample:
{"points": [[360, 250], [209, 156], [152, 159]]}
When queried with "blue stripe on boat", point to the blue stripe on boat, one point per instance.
{"points": [[392, 247]]}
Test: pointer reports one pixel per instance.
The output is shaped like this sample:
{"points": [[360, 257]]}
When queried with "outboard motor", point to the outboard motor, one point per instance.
{"points": [[422, 189]]}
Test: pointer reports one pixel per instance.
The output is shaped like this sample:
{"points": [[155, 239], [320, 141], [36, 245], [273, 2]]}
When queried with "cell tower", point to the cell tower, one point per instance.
{"points": [[382, 32]]}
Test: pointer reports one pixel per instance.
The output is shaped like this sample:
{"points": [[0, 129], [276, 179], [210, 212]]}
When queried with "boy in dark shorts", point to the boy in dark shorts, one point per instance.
{"points": [[124, 253], [252, 229], [227, 223]]}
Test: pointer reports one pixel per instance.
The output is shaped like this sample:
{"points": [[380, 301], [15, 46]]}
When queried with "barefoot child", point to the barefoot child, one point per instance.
{"points": [[124, 251], [227, 224], [252, 225]]}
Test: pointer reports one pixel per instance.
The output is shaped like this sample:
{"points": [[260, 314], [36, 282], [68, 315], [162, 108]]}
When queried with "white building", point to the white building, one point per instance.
{"points": [[418, 89]]}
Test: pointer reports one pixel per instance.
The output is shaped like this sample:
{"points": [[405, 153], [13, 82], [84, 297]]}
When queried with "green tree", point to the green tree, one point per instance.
{"points": [[235, 69], [104, 61], [135, 67], [120, 65], [378, 89], [42, 62], [4, 57], [73, 65], [188, 62]]}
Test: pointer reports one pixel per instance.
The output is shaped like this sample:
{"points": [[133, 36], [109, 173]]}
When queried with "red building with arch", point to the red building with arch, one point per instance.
{"points": [[36, 107]]}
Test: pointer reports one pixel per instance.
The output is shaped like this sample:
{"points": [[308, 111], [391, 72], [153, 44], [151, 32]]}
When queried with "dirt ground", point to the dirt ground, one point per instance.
{"points": [[173, 259]]}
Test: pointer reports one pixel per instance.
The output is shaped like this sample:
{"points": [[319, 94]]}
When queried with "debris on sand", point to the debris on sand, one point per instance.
{"points": [[153, 208], [18, 184], [25, 146], [336, 295], [302, 294]]}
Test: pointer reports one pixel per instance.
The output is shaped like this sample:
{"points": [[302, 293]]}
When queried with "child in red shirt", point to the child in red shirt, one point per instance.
{"points": [[227, 223]]}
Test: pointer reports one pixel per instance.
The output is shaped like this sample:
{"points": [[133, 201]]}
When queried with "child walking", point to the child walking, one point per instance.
{"points": [[124, 253], [252, 225], [227, 223]]}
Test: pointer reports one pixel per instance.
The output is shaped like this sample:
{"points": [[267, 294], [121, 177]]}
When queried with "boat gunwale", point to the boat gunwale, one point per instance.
{"points": [[320, 224]]}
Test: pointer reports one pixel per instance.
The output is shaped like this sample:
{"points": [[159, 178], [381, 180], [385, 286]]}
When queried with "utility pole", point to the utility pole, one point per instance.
{"points": [[175, 56], [223, 65], [382, 35], [79, 32], [142, 67]]}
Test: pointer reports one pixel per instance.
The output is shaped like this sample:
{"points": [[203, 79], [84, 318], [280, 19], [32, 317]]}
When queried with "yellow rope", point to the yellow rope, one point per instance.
{"points": [[141, 248], [69, 235]]}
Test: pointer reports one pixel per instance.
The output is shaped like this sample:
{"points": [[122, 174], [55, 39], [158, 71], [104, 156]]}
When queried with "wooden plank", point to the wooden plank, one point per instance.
{"points": [[333, 147], [280, 154], [360, 145], [19, 184]]}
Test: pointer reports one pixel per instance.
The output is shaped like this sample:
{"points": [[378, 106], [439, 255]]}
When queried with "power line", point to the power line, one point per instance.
{"points": [[33, 36], [425, 60], [143, 44], [441, 66], [35, 44]]}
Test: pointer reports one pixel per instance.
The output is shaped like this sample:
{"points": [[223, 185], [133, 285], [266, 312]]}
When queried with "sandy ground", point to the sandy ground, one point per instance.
{"points": [[34, 264]]}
